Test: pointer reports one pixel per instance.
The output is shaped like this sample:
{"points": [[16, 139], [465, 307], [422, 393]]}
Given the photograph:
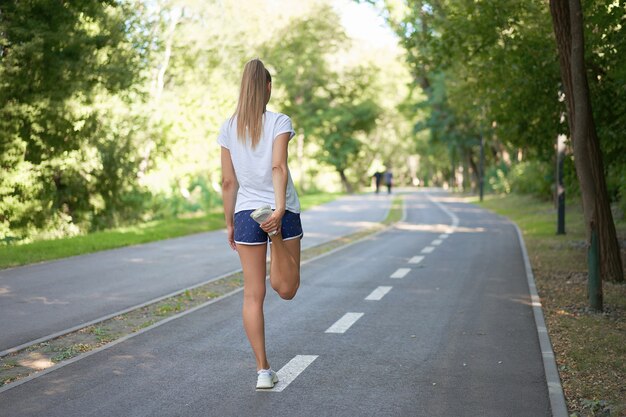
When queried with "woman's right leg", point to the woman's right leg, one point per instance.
{"points": [[254, 271], [285, 266]]}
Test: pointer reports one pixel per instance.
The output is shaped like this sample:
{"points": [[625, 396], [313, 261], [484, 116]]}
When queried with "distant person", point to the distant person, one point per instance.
{"points": [[378, 176], [260, 202], [388, 180]]}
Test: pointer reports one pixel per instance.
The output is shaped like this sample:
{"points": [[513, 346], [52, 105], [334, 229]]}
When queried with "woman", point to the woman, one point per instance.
{"points": [[255, 181]]}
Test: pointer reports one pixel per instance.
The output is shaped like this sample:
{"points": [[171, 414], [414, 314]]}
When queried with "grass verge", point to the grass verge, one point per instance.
{"points": [[46, 250], [590, 347], [43, 355]]}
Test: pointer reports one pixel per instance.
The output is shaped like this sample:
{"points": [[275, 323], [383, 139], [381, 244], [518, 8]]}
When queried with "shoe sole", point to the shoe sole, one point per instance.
{"points": [[261, 216]]}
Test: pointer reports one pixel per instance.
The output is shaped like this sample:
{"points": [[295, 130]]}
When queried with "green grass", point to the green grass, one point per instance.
{"points": [[395, 212], [45, 250], [589, 346], [310, 200], [537, 218]]}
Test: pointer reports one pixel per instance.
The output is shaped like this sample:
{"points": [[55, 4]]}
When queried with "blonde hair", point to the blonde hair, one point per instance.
{"points": [[253, 97]]}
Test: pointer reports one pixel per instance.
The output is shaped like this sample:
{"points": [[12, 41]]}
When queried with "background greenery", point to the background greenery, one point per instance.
{"points": [[149, 231], [490, 68], [109, 109]]}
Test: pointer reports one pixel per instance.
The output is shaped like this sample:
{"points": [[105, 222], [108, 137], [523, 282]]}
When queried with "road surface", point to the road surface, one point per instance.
{"points": [[420, 320], [49, 297]]}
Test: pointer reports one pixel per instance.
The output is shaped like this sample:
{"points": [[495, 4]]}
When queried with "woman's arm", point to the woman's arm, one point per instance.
{"points": [[279, 180], [229, 195]]}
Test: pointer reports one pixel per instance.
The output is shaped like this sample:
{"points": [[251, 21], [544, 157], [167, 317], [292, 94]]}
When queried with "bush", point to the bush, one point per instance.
{"points": [[498, 179], [534, 178], [191, 195]]}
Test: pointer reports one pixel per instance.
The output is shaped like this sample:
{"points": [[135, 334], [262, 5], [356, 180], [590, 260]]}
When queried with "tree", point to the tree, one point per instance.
{"points": [[471, 59], [64, 67], [568, 29], [331, 106], [349, 112]]}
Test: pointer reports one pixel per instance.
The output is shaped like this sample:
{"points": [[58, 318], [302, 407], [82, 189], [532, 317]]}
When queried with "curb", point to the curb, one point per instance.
{"points": [[137, 306], [191, 310], [555, 390], [111, 315]]}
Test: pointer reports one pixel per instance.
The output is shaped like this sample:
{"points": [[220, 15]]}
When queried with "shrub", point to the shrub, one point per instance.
{"points": [[498, 179], [532, 177]]}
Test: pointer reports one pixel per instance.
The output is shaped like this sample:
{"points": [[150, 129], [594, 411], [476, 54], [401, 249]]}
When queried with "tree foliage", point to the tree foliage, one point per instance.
{"points": [[68, 75], [109, 109], [491, 67]]}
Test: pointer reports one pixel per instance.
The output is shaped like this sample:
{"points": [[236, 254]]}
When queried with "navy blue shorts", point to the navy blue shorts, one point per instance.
{"points": [[249, 232]]}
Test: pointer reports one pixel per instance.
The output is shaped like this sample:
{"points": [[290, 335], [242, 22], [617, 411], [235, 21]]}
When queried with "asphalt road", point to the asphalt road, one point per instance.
{"points": [[42, 299], [455, 336]]}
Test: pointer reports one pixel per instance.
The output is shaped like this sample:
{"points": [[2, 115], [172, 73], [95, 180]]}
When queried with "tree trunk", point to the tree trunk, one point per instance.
{"points": [[568, 29], [475, 178], [344, 180], [467, 181], [175, 16]]}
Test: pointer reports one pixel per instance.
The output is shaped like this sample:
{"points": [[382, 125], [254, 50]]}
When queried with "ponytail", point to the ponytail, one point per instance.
{"points": [[253, 97]]}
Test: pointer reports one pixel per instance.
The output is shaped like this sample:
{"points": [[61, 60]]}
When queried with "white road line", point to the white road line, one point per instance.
{"points": [[455, 219], [344, 323], [62, 364], [290, 371], [436, 242], [444, 235], [428, 249], [416, 259], [378, 293], [555, 389], [400, 273]]}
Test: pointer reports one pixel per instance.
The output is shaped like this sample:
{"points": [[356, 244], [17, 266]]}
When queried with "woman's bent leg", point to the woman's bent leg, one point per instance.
{"points": [[254, 270], [285, 266]]}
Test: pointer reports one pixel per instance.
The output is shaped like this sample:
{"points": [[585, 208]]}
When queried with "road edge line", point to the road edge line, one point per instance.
{"points": [[558, 405], [555, 389], [454, 217]]}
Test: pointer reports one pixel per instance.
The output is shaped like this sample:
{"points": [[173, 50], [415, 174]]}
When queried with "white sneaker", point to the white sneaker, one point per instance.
{"points": [[266, 379], [261, 214]]}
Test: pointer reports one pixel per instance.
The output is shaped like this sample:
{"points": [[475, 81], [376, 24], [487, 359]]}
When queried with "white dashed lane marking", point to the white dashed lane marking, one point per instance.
{"points": [[290, 371], [416, 259], [344, 323], [400, 273], [378, 293]]}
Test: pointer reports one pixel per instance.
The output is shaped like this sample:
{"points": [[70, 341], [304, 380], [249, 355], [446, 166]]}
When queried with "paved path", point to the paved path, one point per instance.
{"points": [[42, 299], [453, 336]]}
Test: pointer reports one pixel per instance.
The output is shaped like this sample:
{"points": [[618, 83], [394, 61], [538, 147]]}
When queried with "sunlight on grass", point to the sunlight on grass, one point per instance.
{"points": [[15, 255]]}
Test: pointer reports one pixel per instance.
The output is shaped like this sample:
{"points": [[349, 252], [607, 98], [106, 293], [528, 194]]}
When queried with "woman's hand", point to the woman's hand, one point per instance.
{"points": [[273, 224], [230, 231]]}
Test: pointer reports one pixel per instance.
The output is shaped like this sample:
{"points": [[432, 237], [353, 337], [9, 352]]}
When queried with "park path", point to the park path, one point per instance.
{"points": [[432, 317], [45, 299]]}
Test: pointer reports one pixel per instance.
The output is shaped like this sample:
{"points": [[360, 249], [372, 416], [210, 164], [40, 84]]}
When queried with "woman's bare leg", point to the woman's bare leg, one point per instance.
{"points": [[285, 266], [254, 270]]}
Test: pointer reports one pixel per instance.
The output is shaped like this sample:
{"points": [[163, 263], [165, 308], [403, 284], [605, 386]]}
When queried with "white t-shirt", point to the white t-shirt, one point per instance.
{"points": [[253, 167]]}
